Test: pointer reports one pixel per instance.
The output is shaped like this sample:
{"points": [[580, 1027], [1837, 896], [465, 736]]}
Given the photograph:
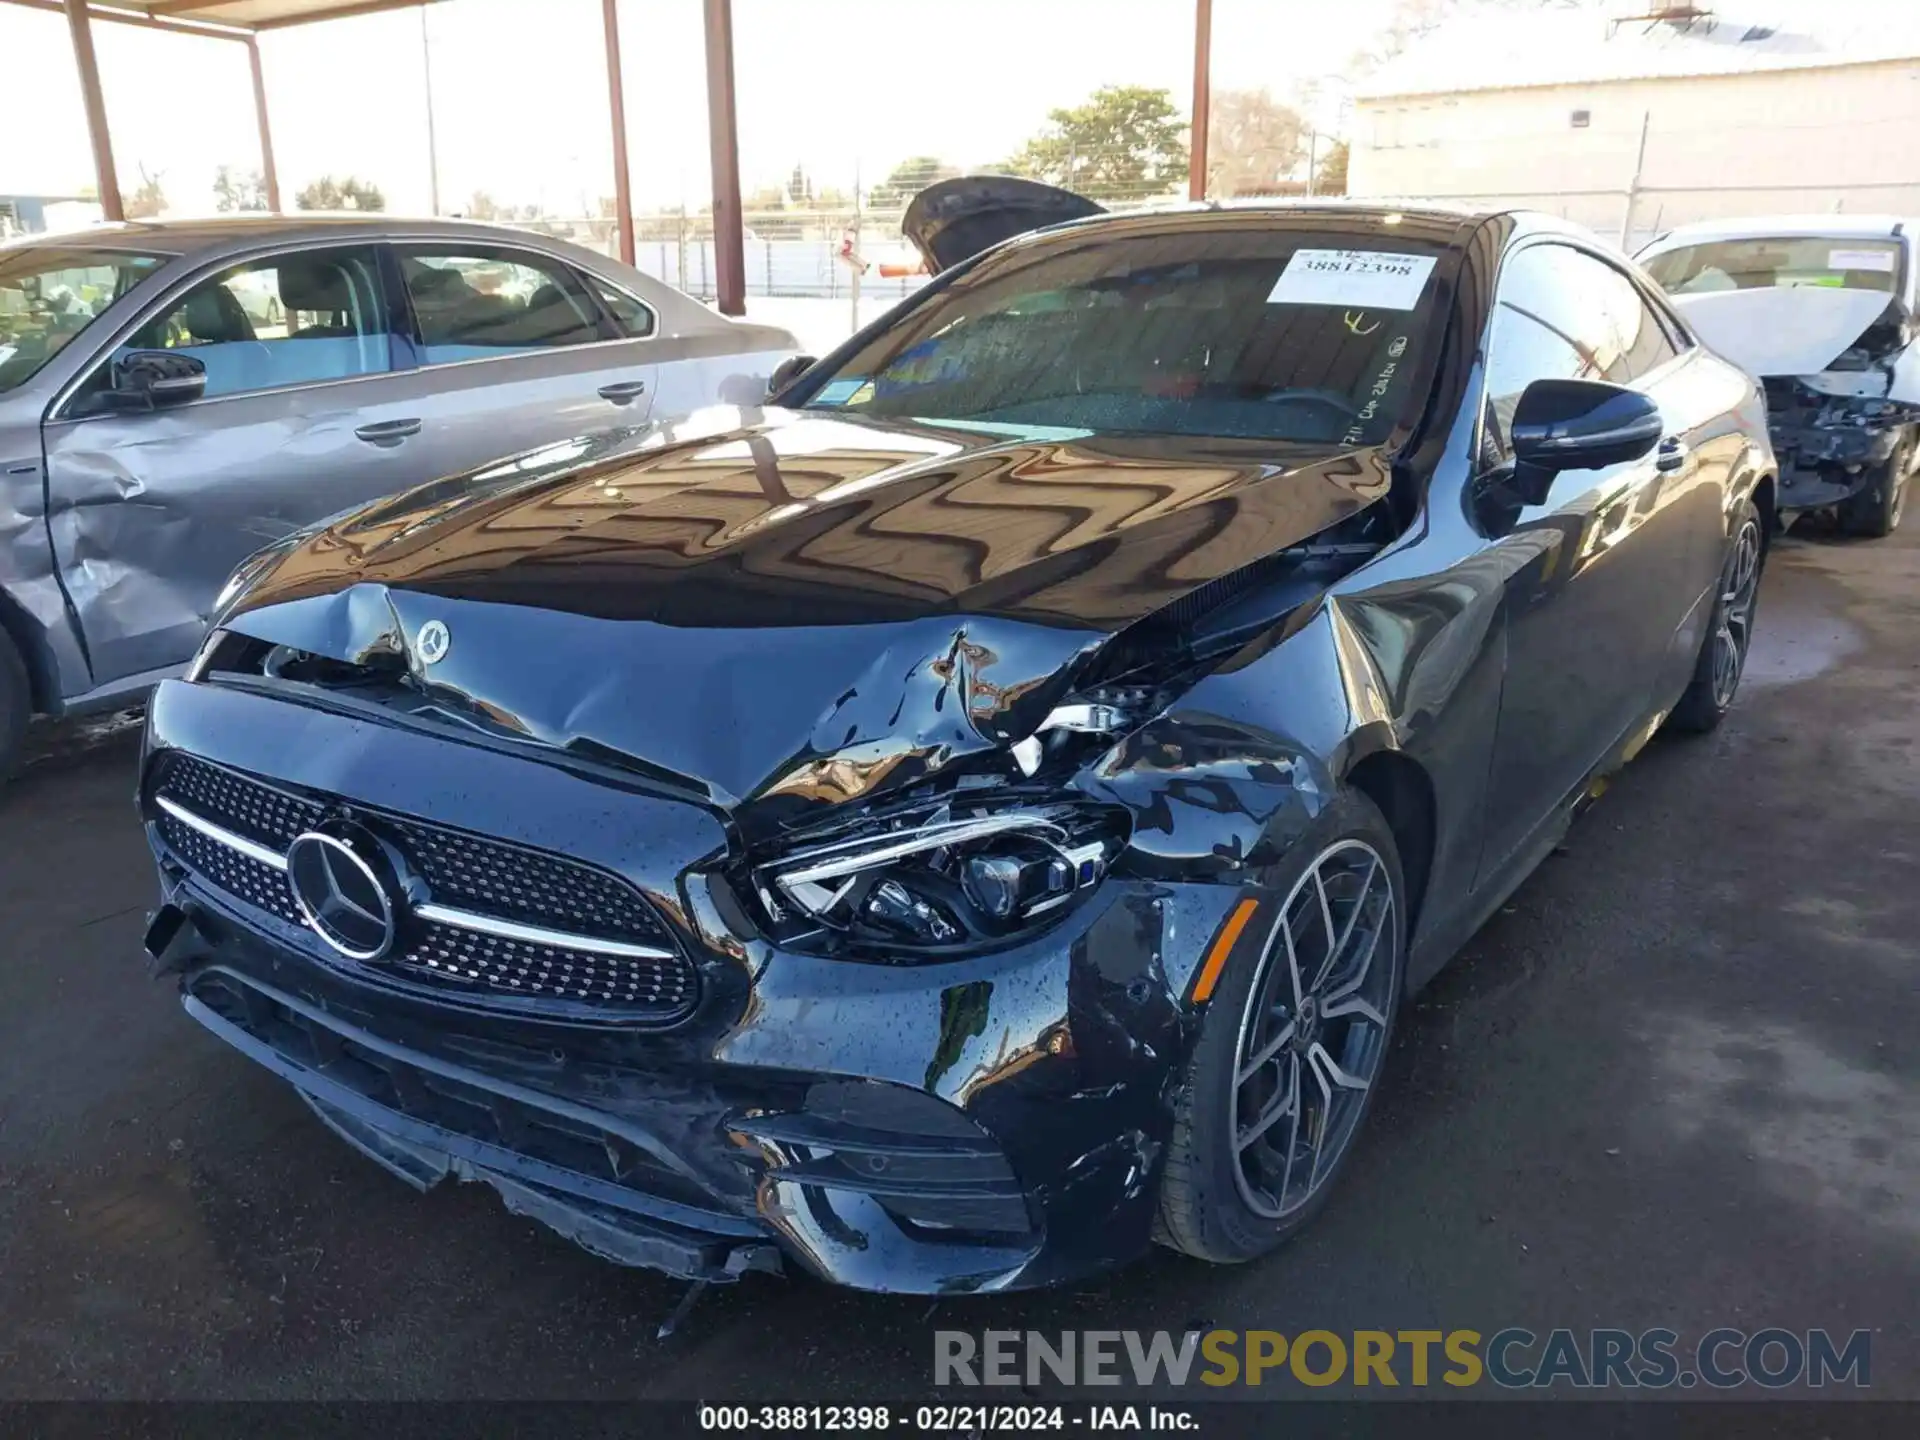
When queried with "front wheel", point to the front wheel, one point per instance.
{"points": [[1723, 654], [1875, 512], [1291, 1049]]}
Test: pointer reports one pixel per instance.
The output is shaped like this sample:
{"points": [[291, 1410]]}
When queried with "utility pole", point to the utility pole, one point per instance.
{"points": [[433, 149], [1313, 162], [1633, 185], [1202, 98]]}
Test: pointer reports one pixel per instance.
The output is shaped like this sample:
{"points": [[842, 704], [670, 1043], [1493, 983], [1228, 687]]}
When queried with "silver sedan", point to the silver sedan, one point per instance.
{"points": [[175, 396]]}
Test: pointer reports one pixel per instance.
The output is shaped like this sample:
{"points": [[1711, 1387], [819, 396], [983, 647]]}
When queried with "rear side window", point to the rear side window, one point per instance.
{"points": [[632, 315], [291, 320], [1838, 262], [477, 303]]}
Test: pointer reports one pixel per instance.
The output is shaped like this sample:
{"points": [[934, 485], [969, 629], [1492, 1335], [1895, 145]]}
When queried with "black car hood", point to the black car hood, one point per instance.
{"points": [[779, 601], [954, 220]]}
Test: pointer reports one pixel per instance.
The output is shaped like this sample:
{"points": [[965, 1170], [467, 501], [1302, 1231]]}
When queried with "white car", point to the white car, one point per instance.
{"points": [[1821, 309]]}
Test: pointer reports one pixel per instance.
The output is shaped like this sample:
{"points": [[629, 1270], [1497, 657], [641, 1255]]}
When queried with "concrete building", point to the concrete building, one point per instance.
{"points": [[1633, 117]]}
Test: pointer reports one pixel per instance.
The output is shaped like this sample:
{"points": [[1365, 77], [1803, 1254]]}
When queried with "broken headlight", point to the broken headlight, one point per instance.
{"points": [[950, 878]]}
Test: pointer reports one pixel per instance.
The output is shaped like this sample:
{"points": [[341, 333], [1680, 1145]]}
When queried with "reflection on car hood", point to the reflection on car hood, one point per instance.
{"points": [[780, 601], [1799, 330]]}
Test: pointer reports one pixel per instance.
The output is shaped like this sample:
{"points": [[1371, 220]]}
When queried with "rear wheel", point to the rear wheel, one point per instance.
{"points": [[1875, 512], [1291, 1049], [1723, 654], [16, 707]]}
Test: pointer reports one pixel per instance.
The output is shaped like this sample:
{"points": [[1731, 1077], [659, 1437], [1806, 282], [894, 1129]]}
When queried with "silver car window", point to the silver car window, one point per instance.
{"points": [[296, 319], [473, 303], [50, 293], [633, 315]]}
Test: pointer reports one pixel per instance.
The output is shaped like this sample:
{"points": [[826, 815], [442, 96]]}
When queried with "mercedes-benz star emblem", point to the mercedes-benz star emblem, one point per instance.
{"points": [[340, 894], [433, 642]]}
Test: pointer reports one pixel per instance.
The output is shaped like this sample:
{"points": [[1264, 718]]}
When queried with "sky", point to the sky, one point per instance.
{"points": [[846, 88]]}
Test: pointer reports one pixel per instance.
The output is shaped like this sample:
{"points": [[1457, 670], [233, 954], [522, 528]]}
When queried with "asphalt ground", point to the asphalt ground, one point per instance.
{"points": [[1675, 1082]]}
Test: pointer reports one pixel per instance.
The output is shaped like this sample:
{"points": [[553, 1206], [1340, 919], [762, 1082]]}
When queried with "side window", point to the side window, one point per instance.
{"points": [[1562, 314], [1533, 337], [633, 315], [475, 303], [291, 320]]}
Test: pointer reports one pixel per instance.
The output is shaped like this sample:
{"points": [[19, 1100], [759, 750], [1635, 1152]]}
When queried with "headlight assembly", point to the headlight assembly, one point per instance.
{"points": [[947, 879]]}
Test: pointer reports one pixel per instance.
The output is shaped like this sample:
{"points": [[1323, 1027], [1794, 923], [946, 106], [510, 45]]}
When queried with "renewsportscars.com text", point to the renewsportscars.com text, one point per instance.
{"points": [[1514, 1358]]}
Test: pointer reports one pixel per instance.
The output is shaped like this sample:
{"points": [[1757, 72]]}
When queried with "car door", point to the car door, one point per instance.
{"points": [[1599, 570], [150, 511], [515, 351]]}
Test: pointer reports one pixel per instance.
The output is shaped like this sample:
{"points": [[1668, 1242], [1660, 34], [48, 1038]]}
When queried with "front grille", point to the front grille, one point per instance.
{"points": [[468, 957], [246, 807], [260, 885], [526, 885], [487, 878]]}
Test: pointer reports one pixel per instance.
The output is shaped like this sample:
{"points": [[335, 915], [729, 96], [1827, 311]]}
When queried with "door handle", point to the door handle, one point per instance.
{"points": [[387, 432], [1672, 454], [624, 391]]}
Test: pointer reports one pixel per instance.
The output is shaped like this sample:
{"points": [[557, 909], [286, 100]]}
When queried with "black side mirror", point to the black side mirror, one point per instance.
{"points": [[788, 371], [153, 379], [1578, 425]]}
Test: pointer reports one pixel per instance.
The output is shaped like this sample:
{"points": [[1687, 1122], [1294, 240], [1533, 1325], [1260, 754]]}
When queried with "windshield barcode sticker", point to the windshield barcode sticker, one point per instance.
{"points": [[1860, 260], [1371, 279]]}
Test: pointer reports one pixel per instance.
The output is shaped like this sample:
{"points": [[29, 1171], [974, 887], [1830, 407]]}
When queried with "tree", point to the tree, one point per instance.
{"points": [[908, 179], [351, 193], [1126, 143], [147, 201], [1254, 144], [232, 191], [1331, 176]]}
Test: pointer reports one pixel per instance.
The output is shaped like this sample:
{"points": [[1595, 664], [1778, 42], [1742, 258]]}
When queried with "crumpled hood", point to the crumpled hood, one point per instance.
{"points": [[1782, 330], [791, 605]]}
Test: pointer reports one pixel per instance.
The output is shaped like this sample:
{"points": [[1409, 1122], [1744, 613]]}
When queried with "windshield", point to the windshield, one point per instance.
{"points": [[48, 295], [1229, 332], [1838, 262]]}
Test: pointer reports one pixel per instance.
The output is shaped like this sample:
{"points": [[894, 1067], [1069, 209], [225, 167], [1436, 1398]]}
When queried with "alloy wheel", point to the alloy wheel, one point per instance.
{"points": [[1314, 1032], [1738, 594]]}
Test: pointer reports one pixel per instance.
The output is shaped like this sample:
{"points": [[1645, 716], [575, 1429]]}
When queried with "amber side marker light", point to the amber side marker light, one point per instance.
{"points": [[1222, 947]]}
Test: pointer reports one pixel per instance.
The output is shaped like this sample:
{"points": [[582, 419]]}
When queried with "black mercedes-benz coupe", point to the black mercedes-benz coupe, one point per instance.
{"points": [[982, 812]]}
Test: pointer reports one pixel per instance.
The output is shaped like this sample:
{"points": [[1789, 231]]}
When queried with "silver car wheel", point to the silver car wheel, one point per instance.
{"points": [[1313, 1034]]}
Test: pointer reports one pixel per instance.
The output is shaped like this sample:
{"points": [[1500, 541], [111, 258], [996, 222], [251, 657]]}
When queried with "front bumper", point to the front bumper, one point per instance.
{"points": [[976, 1125]]}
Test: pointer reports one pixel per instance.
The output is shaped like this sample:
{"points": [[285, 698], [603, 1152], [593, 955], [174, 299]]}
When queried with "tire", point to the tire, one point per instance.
{"points": [[1729, 638], [1228, 1204], [16, 708], [1875, 512]]}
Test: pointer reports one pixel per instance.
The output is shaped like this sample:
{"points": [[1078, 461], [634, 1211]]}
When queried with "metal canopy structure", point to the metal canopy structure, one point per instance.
{"points": [[241, 21]]}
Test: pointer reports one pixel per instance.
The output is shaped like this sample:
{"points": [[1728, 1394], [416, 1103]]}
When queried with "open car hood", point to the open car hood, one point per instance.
{"points": [[954, 220], [1782, 331]]}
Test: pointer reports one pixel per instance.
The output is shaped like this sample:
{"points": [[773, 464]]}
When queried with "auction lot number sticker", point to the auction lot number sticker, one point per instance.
{"points": [[1368, 279]]}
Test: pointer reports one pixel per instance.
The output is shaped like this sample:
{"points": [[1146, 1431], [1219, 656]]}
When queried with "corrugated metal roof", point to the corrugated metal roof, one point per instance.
{"points": [[1508, 50]]}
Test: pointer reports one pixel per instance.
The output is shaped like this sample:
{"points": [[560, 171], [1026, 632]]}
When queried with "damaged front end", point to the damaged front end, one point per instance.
{"points": [[1832, 447], [1841, 372], [848, 930]]}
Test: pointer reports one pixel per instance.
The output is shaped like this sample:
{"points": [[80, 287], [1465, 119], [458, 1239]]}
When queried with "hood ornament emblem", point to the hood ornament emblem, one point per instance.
{"points": [[432, 642]]}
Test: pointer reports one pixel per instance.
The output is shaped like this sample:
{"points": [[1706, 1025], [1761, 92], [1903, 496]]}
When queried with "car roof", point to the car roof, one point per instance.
{"points": [[211, 235], [1783, 227]]}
